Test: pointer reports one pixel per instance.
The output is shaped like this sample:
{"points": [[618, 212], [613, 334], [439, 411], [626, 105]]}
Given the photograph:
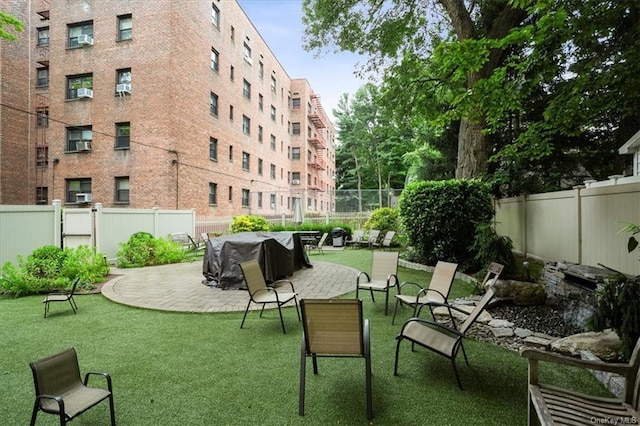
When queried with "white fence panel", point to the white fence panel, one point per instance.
{"points": [[78, 227]]}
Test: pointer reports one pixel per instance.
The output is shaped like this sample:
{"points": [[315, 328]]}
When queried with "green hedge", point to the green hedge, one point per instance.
{"points": [[143, 249]]}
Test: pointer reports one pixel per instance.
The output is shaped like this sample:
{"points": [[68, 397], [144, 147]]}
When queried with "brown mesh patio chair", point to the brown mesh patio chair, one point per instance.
{"points": [[62, 297], [549, 405], [356, 238], [438, 290], [384, 276], [334, 328], [260, 293], [60, 391], [386, 241], [374, 234], [441, 338]]}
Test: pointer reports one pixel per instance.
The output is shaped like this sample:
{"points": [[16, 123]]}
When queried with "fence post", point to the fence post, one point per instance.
{"points": [[524, 226], [284, 220], [193, 225], [57, 223], [579, 220], [156, 221], [97, 228]]}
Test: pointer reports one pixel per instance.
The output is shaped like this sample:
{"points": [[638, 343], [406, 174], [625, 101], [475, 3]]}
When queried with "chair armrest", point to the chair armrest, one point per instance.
{"points": [[282, 283], [107, 376], [366, 339], [410, 283], [424, 291], [539, 355], [428, 323], [395, 278], [362, 273]]}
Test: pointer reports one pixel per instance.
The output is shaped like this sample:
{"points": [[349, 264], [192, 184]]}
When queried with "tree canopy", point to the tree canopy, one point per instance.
{"points": [[7, 20]]}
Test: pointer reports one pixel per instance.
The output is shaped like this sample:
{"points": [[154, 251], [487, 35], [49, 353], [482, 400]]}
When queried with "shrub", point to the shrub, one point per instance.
{"points": [[439, 218], [51, 268], [143, 249], [248, 223], [491, 247], [384, 219]]}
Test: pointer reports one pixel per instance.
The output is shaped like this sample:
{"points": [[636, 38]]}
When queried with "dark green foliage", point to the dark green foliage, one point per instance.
{"points": [[143, 249], [491, 247], [51, 268], [619, 308], [440, 218]]}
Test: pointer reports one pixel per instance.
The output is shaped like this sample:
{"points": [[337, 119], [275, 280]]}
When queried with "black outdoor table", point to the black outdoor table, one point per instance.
{"points": [[278, 253]]}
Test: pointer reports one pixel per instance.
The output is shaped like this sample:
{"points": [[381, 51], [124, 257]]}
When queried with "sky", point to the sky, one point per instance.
{"points": [[279, 22]]}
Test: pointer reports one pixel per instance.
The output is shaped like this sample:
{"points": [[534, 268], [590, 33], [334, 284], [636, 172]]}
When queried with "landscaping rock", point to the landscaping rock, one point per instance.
{"points": [[521, 293], [605, 344], [522, 332], [536, 342], [502, 331]]}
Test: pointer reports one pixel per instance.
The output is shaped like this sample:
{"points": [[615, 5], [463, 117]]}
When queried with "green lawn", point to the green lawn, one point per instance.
{"points": [[201, 369]]}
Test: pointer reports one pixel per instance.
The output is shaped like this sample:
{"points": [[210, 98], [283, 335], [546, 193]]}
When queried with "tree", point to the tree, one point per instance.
{"points": [[7, 20], [387, 31]]}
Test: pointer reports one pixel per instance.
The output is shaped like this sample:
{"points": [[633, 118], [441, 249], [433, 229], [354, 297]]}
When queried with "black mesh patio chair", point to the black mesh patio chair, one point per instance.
{"points": [[62, 297]]}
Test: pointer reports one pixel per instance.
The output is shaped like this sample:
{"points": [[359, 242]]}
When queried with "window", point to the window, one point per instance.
{"points": [[123, 131], [273, 143], [123, 81], [260, 162], [273, 84], [246, 125], [42, 156], [245, 161], [43, 77], [295, 103], [260, 134], [215, 59], [42, 117], [260, 102], [213, 193], [260, 200], [231, 112], [295, 128], [230, 193], [272, 171], [247, 54], [43, 36], [79, 138], [76, 186], [122, 189], [309, 203], [215, 16], [79, 82], [124, 27], [213, 104], [295, 178], [272, 201], [260, 70], [232, 72], [245, 198], [246, 89], [80, 35], [273, 113], [42, 195], [231, 153], [308, 179], [233, 34], [309, 155], [213, 149]]}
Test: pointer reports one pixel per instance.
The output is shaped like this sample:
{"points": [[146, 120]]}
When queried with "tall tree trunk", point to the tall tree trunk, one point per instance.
{"points": [[355, 158], [472, 150]]}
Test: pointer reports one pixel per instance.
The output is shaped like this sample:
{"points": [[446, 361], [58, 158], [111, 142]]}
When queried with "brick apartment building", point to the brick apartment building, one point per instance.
{"points": [[142, 103]]}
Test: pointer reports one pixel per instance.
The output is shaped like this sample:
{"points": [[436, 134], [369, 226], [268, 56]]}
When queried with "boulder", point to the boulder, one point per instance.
{"points": [[521, 293], [604, 344]]}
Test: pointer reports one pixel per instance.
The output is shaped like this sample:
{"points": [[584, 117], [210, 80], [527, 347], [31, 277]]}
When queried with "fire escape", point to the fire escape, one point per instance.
{"points": [[41, 56], [316, 116]]}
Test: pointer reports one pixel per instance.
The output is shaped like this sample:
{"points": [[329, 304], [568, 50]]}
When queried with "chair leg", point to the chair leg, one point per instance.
{"points": [[395, 311], [303, 375], [46, 308], [73, 307], [245, 313], [395, 363], [34, 414], [281, 319], [112, 410], [367, 360], [295, 301], [373, 299], [464, 353], [386, 301], [262, 310], [455, 370], [315, 364]]}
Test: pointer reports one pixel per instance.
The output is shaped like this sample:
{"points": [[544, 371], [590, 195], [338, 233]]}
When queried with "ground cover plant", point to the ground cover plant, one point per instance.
{"points": [[201, 369], [143, 249]]}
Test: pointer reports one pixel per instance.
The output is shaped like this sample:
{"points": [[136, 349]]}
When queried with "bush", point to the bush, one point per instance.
{"points": [[384, 219], [248, 223], [143, 249], [440, 218], [491, 247], [50, 268]]}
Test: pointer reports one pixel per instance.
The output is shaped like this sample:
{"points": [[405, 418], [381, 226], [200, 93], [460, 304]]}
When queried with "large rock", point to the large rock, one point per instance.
{"points": [[604, 344], [521, 293]]}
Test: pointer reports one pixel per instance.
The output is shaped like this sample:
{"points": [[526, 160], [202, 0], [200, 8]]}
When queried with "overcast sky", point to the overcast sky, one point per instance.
{"points": [[280, 24]]}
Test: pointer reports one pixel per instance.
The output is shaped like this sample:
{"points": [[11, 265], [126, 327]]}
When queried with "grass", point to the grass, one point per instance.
{"points": [[201, 369]]}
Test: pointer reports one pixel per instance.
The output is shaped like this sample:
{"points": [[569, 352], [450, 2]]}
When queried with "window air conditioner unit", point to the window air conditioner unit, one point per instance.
{"points": [[85, 40], [123, 88], [83, 146], [85, 93], [295, 182], [83, 198]]}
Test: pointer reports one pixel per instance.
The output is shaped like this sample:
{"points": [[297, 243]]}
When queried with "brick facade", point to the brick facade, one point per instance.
{"points": [[168, 162]]}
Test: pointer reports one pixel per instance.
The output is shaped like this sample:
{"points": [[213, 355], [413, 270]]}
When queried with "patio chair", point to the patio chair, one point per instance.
{"points": [[60, 391], [384, 276], [438, 290], [440, 338], [187, 241], [550, 405], [261, 294], [386, 241], [62, 297], [318, 246], [334, 328], [356, 238], [374, 234]]}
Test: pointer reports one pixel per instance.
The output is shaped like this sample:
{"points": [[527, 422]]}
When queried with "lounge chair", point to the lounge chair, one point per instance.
{"points": [[374, 234], [549, 405], [334, 328], [62, 297], [187, 241], [60, 391], [261, 294], [384, 276], [318, 246], [440, 338], [356, 238], [386, 241]]}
